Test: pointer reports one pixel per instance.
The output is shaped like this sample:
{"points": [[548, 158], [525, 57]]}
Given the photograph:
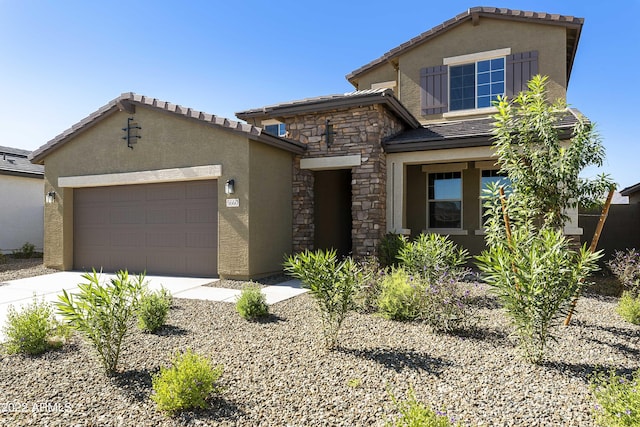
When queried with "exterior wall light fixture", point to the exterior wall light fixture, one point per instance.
{"points": [[50, 197], [230, 186]]}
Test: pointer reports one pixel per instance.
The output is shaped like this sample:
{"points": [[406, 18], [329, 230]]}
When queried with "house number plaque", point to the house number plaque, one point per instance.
{"points": [[233, 203]]}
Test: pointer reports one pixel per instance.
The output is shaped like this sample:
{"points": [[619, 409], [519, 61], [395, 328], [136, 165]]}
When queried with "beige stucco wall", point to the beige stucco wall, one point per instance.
{"points": [[489, 34], [383, 73], [270, 209], [168, 141]]}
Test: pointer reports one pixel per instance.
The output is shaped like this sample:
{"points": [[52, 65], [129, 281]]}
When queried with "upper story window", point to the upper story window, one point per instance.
{"points": [[277, 129], [469, 83], [476, 85]]}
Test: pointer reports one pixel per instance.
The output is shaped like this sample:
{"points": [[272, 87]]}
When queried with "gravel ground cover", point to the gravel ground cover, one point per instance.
{"points": [[277, 374], [14, 269]]}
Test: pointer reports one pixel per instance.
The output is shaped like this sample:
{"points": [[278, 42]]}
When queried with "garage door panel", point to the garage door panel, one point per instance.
{"points": [[168, 228]]}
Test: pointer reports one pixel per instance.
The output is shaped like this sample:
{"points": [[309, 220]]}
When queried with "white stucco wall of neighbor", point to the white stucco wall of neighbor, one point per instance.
{"points": [[21, 212]]}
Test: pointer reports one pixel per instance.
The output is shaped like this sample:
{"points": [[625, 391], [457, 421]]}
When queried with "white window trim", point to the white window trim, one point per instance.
{"points": [[271, 122], [439, 168], [467, 59], [391, 84], [483, 166], [475, 57]]}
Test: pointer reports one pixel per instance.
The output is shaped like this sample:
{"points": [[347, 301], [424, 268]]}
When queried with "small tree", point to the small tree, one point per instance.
{"points": [[530, 264]]}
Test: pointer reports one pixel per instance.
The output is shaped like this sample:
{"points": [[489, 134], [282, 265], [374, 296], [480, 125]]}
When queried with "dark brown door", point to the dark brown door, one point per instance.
{"points": [[166, 228], [332, 210]]}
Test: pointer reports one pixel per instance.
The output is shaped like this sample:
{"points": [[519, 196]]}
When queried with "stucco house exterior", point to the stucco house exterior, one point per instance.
{"points": [[21, 188], [141, 182]]}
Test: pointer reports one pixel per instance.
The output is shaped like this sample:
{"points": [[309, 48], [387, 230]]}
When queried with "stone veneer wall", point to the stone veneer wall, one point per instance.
{"points": [[358, 130]]}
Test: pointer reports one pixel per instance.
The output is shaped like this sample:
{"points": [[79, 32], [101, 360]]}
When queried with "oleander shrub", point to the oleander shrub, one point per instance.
{"points": [[103, 311], [431, 256], [332, 283], [625, 265], [618, 398], [187, 383], [413, 413], [252, 303], [629, 307], [26, 251], [153, 309], [535, 278], [34, 329], [389, 248]]}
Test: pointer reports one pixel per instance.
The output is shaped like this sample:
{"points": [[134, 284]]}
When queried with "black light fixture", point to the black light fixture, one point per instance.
{"points": [[328, 132], [131, 132], [230, 186]]}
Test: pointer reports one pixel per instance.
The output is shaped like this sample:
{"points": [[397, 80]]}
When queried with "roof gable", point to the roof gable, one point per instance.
{"points": [[572, 24], [129, 101], [331, 102]]}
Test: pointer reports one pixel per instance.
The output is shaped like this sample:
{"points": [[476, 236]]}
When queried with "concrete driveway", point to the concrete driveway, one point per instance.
{"points": [[21, 292]]}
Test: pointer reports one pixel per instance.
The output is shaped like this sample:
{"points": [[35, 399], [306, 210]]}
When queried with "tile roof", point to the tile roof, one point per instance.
{"points": [[572, 23], [14, 161], [459, 134], [329, 102], [127, 102]]}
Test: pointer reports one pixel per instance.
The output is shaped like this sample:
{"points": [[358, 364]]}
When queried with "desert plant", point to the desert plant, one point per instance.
{"points": [[414, 413], [34, 329], [368, 292], [26, 251], [153, 308], [332, 284], [629, 308], [625, 265], [534, 276], [431, 255], [102, 312], [187, 383], [442, 304], [252, 303], [618, 398], [389, 248]]}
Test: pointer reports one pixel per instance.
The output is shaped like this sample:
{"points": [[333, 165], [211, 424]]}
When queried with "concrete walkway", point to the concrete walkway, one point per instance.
{"points": [[21, 292]]}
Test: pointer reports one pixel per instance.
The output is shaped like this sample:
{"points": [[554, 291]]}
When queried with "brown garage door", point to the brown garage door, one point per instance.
{"points": [[166, 228]]}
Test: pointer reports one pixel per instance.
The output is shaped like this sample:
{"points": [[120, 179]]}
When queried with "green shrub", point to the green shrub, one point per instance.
{"points": [[618, 399], [416, 414], [34, 329], [102, 312], [26, 251], [332, 284], [153, 308], [629, 308], [431, 255], [252, 303], [535, 278], [389, 248], [626, 267], [187, 383], [401, 295], [368, 292], [442, 304]]}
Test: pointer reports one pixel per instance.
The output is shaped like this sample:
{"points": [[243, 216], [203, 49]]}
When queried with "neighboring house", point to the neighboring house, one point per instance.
{"points": [[407, 151], [632, 192], [21, 191]]}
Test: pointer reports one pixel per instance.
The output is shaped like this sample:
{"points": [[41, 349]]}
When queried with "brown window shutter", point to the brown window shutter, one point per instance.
{"points": [[521, 67], [434, 90]]}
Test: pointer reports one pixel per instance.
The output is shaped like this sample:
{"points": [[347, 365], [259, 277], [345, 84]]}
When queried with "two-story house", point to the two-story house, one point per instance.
{"points": [[410, 150], [185, 192]]}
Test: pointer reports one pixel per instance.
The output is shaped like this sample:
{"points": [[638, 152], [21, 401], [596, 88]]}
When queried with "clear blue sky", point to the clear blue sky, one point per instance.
{"points": [[61, 60]]}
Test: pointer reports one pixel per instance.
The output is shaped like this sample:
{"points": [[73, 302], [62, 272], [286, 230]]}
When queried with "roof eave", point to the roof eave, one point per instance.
{"points": [[281, 143], [22, 174]]}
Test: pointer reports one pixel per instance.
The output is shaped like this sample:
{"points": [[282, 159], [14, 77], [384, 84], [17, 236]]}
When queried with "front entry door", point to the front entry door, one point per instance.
{"points": [[332, 210]]}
